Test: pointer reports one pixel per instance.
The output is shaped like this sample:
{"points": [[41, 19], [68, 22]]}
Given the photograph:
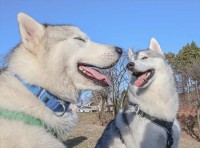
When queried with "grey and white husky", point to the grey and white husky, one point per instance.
{"points": [[45, 74], [149, 119]]}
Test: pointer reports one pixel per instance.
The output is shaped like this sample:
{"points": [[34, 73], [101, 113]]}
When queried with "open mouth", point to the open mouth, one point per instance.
{"points": [[92, 72], [143, 77]]}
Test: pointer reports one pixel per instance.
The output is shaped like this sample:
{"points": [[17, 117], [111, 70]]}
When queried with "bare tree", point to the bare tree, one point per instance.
{"points": [[194, 71], [101, 100], [190, 98], [119, 78], [117, 92]]}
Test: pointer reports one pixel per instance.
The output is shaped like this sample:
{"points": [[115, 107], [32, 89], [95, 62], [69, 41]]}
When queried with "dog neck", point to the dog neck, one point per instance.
{"points": [[161, 102], [133, 110], [51, 101], [32, 71]]}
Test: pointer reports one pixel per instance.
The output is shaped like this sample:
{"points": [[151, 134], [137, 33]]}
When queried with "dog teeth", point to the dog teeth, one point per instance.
{"points": [[148, 74], [89, 74], [85, 72]]}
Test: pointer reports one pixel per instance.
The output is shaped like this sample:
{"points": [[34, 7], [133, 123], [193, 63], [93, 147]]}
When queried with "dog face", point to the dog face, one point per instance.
{"points": [[80, 58], [145, 65], [64, 55]]}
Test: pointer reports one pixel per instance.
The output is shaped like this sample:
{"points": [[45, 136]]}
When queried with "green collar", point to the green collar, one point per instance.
{"points": [[20, 116], [25, 118]]}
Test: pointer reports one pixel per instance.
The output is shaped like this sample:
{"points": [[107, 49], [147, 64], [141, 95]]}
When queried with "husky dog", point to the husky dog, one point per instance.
{"points": [[44, 76], [149, 119]]}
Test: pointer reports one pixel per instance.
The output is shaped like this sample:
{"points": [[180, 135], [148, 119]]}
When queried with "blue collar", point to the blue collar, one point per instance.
{"points": [[50, 100]]}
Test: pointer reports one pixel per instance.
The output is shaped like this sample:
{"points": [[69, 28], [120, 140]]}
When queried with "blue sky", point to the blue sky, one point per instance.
{"points": [[125, 23]]}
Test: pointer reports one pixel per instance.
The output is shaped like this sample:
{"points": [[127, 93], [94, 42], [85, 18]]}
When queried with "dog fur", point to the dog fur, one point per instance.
{"points": [[157, 97], [48, 56]]}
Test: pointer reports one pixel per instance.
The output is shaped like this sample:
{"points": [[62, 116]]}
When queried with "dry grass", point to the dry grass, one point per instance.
{"points": [[89, 130], [86, 133]]}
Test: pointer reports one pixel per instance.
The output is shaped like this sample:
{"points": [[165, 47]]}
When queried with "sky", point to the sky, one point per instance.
{"points": [[124, 23]]}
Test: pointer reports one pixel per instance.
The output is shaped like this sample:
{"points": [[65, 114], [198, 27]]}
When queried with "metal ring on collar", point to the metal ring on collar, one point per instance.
{"points": [[64, 109], [136, 109]]}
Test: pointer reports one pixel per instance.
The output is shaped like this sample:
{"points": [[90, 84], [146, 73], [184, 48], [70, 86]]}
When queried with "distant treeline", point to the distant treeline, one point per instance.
{"points": [[186, 65]]}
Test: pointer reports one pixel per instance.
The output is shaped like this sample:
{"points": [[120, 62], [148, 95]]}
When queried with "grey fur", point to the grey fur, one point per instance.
{"points": [[49, 57], [158, 98]]}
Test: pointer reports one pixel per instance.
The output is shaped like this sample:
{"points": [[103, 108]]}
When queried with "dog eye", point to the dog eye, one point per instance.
{"points": [[143, 58], [80, 39]]}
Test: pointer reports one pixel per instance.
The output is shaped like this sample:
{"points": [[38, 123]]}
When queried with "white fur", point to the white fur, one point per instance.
{"points": [[130, 54], [158, 98], [47, 57], [154, 46]]}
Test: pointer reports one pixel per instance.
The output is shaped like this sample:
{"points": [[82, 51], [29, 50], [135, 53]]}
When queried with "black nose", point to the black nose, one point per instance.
{"points": [[130, 66], [118, 50]]}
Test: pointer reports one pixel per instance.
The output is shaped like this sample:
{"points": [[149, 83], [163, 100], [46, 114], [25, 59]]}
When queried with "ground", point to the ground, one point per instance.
{"points": [[89, 130]]}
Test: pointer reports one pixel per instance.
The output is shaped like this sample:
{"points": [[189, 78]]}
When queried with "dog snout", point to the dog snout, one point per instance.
{"points": [[130, 66], [119, 50]]}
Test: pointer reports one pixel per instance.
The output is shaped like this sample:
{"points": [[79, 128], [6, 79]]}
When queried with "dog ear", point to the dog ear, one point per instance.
{"points": [[31, 32], [130, 54], [155, 46]]}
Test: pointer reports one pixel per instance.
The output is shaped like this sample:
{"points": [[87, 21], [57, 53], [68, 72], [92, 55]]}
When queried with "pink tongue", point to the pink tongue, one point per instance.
{"points": [[97, 75], [140, 80]]}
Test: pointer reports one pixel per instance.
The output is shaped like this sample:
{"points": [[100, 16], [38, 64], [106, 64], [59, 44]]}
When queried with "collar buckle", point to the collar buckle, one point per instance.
{"points": [[137, 109], [64, 109], [58, 106]]}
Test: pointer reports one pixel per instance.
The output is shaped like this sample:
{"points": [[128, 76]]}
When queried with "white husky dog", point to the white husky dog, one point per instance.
{"points": [[44, 76], [149, 120]]}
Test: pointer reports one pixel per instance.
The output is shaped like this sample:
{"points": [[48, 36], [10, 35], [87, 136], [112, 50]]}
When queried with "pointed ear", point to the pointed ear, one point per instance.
{"points": [[31, 32], [130, 54], [154, 46]]}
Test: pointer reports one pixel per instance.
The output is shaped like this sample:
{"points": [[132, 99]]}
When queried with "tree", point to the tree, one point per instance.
{"points": [[119, 78], [115, 93], [186, 64], [172, 60], [187, 55], [182, 64]]}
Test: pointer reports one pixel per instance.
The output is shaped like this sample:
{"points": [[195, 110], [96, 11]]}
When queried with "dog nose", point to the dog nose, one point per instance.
{"points": [[130, 66], [119, 50]]}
